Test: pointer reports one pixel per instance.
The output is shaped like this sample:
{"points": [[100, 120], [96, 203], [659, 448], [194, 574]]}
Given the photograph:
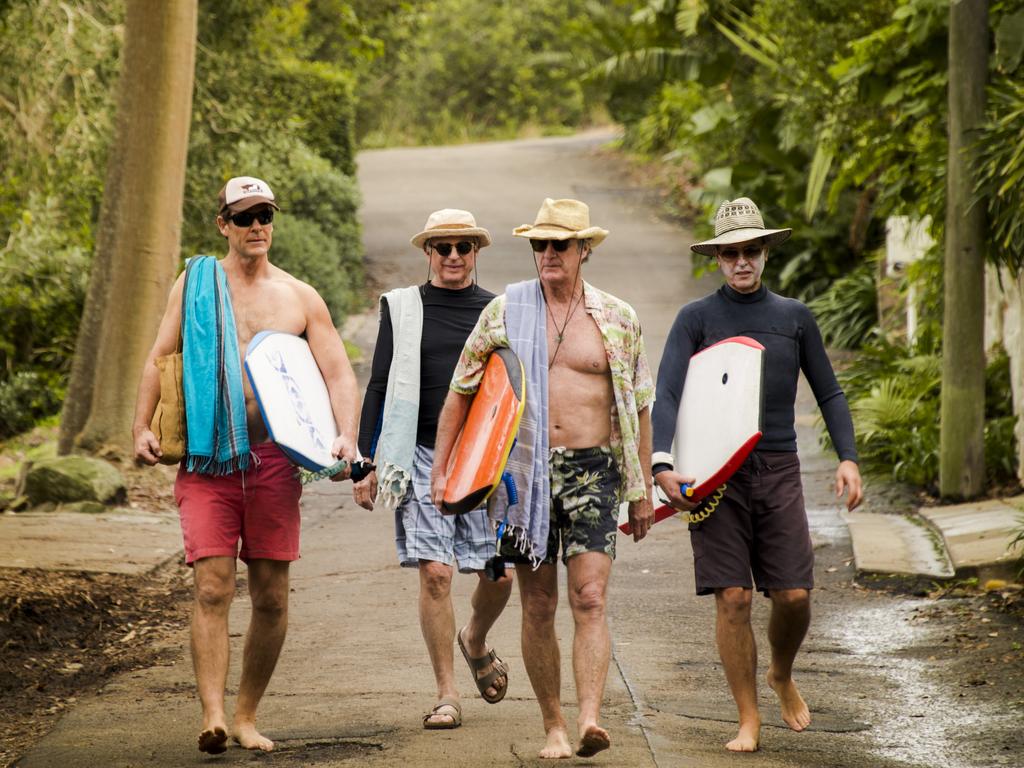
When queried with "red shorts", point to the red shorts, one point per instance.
{"points": [[259, 505]]}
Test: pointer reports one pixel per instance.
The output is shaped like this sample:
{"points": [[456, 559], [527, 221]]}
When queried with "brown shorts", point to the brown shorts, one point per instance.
{"points": [[759, 527]]}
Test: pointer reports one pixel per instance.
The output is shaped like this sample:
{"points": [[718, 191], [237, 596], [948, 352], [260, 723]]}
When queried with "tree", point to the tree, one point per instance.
{"points": [[137, 244], [961, 442]]}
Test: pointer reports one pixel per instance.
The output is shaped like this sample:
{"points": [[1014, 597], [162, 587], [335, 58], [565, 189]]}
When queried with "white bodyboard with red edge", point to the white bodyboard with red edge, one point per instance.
{"points": [[719, 420]]}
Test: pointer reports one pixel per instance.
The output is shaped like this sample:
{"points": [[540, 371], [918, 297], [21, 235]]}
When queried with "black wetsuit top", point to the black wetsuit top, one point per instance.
{"points": [[792, 343], [448, 318]]}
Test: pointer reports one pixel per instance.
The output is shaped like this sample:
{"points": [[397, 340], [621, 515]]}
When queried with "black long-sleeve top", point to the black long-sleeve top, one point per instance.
{"points": [[448, 318], [792, 342]]}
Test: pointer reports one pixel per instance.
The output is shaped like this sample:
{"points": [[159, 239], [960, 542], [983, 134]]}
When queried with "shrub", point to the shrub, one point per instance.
{"points": [[895, 399], [26, 397], [848, 309]]}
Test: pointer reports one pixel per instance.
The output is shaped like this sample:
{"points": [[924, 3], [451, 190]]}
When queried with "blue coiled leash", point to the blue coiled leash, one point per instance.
{"points": [[494, 568]]}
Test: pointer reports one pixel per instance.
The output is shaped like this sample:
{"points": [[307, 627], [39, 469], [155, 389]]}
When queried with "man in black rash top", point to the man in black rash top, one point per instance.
{"points": [[760, 525], [449, 304]]}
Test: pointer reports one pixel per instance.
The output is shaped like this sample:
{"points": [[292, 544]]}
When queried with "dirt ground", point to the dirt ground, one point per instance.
{"points": [[64, 634]]}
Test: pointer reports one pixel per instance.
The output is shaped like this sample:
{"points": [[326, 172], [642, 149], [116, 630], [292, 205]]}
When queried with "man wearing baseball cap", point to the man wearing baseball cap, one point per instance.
{"points": [[234, 484]]}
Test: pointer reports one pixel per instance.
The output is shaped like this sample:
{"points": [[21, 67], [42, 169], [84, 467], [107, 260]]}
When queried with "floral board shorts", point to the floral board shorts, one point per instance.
{"points": [[584, 504]]}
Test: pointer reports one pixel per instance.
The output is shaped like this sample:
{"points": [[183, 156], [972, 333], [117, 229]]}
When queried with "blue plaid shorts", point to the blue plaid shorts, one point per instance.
{"points": [[423, 533]]}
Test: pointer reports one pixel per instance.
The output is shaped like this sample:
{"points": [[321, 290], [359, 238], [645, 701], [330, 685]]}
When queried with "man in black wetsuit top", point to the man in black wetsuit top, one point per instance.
{"points": [[422, 331], [760, 526]]}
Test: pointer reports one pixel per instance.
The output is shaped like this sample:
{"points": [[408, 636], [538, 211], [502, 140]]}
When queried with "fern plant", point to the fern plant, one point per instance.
{"points": [[895, 396], [848, 309]]}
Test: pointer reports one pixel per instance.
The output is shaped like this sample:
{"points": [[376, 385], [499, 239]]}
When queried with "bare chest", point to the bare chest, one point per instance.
{"points": [[577, 345], [269, 307]]}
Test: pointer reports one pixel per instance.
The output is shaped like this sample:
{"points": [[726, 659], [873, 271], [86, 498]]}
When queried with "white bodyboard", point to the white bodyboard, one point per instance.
{"points": [[719, 419], [292, 397]]}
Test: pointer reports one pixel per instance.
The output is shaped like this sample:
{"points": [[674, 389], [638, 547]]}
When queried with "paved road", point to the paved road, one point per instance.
{"points": [[354, 676]]}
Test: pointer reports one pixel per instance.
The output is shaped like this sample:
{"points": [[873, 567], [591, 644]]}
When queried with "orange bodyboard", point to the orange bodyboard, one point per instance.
{"points": [[483, 447]]}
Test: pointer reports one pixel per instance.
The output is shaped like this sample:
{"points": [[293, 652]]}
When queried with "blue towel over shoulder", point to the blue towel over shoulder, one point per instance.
{"points": [[218, 436]]}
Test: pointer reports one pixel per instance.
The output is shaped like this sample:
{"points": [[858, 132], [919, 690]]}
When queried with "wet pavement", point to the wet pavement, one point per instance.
{"points": [[891, 681]]}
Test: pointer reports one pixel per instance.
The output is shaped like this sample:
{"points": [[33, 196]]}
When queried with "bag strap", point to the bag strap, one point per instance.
{"points": [[184, 295]]}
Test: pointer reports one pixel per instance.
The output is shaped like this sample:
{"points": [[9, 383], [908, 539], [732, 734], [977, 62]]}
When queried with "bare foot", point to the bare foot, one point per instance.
{"points": [[213, 741], [246, 735], [794, 710], [747, 740], [594, 740], [557, 745]]}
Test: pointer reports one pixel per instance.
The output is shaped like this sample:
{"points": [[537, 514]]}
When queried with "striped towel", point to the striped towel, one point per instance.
{"points": [[527, 523], [218, 437]]}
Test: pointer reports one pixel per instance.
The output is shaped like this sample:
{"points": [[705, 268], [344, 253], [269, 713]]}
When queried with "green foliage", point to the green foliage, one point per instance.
{"points": [[315, 102], [262, 106], [847, 310], [300, 138], [1001, 171], [26, 397], [55, 127], [749, 109], [43, 291], [1000, 440], [460, 70], [894, 398], [894, 394]]}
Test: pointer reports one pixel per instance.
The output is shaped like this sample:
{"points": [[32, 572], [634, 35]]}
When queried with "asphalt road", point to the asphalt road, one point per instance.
{"points": [[354, 676]]}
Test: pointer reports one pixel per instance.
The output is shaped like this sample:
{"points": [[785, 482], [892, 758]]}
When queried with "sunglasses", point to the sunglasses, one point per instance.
{"points": [[246, 218], [539, 246], [444, 249], [749, 252]]}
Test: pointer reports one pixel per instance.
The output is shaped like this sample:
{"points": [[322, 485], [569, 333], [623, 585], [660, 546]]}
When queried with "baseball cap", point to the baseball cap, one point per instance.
{"points": [[243, 192]]}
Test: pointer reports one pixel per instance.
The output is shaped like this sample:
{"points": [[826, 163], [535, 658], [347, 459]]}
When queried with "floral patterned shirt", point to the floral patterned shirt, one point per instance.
{"points": [[627, 360]]}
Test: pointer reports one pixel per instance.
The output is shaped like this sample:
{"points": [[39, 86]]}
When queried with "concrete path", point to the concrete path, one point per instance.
{"points": [[976, 539], [354, 677]]}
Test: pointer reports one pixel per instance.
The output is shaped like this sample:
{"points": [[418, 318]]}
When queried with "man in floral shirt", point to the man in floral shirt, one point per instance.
{"points": [[593, 424]]}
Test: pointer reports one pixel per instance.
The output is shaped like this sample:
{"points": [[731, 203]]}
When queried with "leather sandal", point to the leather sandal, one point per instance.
{"points": [[456, 719], [498, 670]]}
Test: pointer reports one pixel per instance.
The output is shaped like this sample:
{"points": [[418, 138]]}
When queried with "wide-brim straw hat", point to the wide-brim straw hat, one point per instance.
{"points": [[739, 221], [562, 220], [451, 222]]}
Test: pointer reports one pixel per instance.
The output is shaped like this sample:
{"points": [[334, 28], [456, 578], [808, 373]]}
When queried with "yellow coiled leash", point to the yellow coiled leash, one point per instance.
{"points": [[707, 505]]}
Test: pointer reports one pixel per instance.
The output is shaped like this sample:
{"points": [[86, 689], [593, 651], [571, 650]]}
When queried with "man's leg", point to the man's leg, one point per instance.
{"points": [[437, 623], [738, 652], [538, 592], [591, 649], [268, 591], [214, 589], [489, 599], [787, 627]]}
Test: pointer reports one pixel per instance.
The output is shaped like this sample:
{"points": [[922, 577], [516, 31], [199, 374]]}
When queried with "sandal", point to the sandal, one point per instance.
{"points": [[498, 670], [456, 719]]}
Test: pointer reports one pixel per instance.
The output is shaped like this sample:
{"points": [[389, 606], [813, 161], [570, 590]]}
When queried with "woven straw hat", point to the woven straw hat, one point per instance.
{"points": [[739, 221], [451, 222], [562, 220]]}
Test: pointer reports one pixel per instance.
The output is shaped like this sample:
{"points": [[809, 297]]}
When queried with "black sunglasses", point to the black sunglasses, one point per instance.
{"points": [[445, 249], [749, 252], [246, 218], [539, 246]]}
